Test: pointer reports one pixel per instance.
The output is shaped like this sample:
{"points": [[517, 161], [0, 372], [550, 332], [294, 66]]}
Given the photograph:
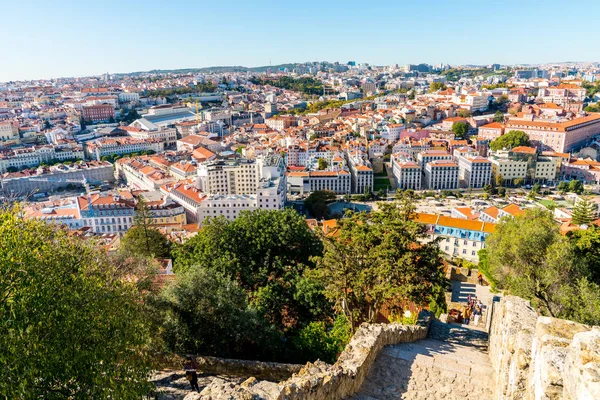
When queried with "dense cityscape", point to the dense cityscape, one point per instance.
{"points": [[350, 229]]}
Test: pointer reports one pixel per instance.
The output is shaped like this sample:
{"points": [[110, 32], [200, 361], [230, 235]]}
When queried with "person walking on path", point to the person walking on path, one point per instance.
{"points": [[467, 315], [480, 279], [476, 315], [190, 366]]}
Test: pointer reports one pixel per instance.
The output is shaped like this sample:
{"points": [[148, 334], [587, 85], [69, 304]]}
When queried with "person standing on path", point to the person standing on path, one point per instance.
{"points": [[467, 315], [190, 366], [476, 315]]}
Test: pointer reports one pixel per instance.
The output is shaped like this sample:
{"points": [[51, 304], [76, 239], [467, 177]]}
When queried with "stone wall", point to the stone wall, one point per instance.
{"points": [[225, 366], [541, 357], [317, 381]]}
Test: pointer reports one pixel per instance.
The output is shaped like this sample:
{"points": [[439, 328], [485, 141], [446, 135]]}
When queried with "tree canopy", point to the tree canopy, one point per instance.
{"points": [[376, 259], [529, 257], [316, 203], [435, 86], [143, 239], [499, 116], [266, 252], [510, 140], [306, 85], [71, 324], [460, 129], [584, 212], [206, 312]]}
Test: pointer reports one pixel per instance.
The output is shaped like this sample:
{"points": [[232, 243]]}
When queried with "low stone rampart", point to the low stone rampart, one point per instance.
{"points": [[318, 381]]}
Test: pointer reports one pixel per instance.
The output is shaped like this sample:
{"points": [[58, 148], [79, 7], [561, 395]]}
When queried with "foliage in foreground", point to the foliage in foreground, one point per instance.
{"points": [[71, 325], [377, 259], [528, 256]]}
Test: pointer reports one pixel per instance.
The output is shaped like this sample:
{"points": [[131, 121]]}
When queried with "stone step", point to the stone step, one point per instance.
{"points": [[428, 369]]}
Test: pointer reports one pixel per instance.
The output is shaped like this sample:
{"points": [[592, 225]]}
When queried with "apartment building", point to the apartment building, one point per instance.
{"points": [[234, 186], [138, 173], [562, 94], [33, 156], [98, 113], [392, 132], [441, 175], [105, 213], [361, 172], [459, 238], [474, 172], [407, 173], [490, 131], [432, 155], [8, 131], [471, 101], [561, 135], [302, 182]]}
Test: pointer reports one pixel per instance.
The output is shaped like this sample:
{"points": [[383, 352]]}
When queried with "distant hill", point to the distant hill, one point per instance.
{"points": [[217, 69]]}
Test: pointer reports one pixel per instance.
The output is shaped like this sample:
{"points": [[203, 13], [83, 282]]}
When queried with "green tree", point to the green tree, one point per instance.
{"points": [[528, 256], [499, 116], [143, 239], [205, 312], [322, 164], [576, 186], [435, 86], [518, 182], [535, 189], [71, 324], [584, 212], [267, 254], [498, 179], [47, 125], [412, 94], [318, 340], [586, 248], [316, 203], [563, 187], [510, 140], [464, 113], [460, 129], [373, 259]]}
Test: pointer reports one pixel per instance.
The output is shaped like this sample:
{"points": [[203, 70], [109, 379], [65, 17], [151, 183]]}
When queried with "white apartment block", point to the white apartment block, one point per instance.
{"points": [[508, 168], [233, 186], [473, 102], [360, 171], [302, 182], [392, 132], [441, 175], [475, 172], [407, 173], [432, 155]]}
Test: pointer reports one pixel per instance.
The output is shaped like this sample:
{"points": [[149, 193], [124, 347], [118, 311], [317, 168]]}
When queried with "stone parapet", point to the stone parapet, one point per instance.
{"points": [[542, 357], [318, 380]]}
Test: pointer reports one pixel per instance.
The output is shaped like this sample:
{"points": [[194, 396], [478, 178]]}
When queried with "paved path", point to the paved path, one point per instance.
{"points": [[429, 370]]}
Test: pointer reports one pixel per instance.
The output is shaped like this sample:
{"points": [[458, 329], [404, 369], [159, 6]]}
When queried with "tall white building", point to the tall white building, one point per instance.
{"points": [[441, 175], [475, 172], [233, 186], [407, 173], [361, 172]]}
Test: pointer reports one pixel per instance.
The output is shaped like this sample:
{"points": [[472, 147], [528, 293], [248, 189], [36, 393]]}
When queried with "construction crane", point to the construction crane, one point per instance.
{"points": [[198, 107], [83, 181]]}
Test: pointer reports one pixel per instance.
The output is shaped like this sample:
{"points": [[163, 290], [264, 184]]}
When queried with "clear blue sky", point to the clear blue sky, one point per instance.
{"points": [[43, 39]]}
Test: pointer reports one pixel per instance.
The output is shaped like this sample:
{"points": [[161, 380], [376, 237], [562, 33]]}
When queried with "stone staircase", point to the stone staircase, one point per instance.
{"points": [[429, 369]]}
